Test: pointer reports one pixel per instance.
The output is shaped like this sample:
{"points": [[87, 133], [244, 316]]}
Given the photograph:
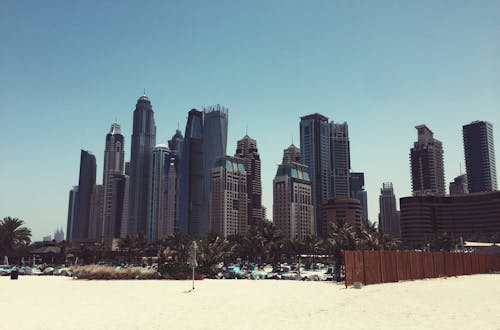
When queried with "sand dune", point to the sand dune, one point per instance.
{"points": [[62, 303]]}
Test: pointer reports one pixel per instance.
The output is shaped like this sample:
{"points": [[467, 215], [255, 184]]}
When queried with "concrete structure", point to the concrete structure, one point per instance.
{"points": [[143, 141], [247, 150], [461, 215], [480, 156], [341, 160], [228, 197], [427, 168], [86, 183], [293, 211], [357, 185], [315, 153], [59, 235], [338, 210], [388, 219], [459, 185], [114, 160]]}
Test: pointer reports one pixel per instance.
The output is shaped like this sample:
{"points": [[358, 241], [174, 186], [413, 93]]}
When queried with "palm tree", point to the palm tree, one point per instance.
{"points": [[213, 250], [341, 236], [13, 234]]}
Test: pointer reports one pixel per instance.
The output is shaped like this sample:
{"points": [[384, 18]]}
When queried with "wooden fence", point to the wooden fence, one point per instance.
{"points": [[370, 267]]}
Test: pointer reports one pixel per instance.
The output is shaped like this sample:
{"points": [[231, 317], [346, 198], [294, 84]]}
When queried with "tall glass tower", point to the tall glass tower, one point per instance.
{"points": [[143, 141], [315, 153], [204, 142], [86, 183], [480, 156]]}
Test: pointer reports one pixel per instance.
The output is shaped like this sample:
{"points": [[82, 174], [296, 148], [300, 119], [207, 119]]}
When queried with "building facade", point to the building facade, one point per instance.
{"points": [[143, 141], [293, 211], [247, 151], [480, 156], [228, 197], [291, 154], [427, 167], [461, 215], [389, 222]]}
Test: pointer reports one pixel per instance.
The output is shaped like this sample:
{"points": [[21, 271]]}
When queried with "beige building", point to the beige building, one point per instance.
{"points": [[228, 197], [293, 210]]}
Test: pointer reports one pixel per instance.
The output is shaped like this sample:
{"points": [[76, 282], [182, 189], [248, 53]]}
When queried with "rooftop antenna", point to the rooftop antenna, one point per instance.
{"points": [[292, 139], [246, 130], [144, 91]]}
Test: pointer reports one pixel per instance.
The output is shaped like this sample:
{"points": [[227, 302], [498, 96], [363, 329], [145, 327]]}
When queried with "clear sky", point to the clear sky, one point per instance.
{"points": [[69, 69]]}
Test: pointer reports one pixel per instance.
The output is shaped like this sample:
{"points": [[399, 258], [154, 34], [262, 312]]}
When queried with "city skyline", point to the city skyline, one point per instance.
{"points": [[375, 66]]}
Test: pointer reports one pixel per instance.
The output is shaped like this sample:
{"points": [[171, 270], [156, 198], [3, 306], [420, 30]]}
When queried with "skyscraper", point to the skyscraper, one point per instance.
{"points": [[480, 156], [205, 140], [96, 212], [191, 191], [214, 146], [388, 218], [113, 183], [357, 184], [427, 168], [143, 141], [315, 153], [247, 150], [72, 213], [341, 160], [86, 183], [292, 201], [228, 197], [162, 193]]}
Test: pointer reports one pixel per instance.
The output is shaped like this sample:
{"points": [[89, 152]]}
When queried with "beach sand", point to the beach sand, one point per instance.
{"points": [[466, 302]]}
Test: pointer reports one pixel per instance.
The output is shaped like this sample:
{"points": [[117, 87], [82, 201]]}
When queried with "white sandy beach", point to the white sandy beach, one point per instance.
{"points": [[467, 302]]}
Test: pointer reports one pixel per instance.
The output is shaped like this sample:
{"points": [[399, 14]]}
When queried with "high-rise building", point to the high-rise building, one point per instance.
{"points": [[162, 195], [96, 212], [175, 144], [293, 211], [357, 184], [388, 218], [426, 160], [480, 156], [205, 140], [72, 213], [341, 160], [114, 158], [315, 153], [247, 150], [191, 175], [143, 141], [228, 197], [291, 154], [459, 185], [86, 183]]}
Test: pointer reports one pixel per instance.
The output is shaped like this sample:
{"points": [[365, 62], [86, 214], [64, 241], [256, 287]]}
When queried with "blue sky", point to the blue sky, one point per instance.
{"points": [[68, 70]]}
